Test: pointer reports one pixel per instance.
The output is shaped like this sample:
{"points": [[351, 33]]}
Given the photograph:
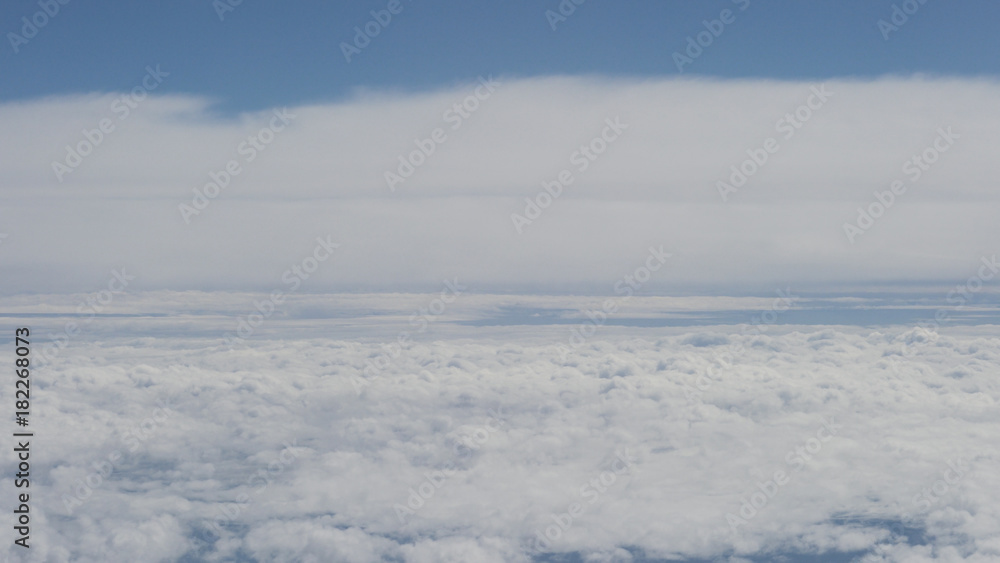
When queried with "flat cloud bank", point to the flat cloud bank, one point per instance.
{"points": [[868, 155]]}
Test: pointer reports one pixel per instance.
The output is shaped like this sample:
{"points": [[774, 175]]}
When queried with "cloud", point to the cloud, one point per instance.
{"points": [[268, 451], [322, 172]]}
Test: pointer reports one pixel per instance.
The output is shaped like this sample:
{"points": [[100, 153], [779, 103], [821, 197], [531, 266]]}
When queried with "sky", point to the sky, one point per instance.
{"points": [[264, 54], [330, 135], [620, 282]]}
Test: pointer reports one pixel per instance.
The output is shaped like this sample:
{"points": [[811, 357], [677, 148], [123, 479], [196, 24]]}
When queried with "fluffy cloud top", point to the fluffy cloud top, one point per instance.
{"points": [[467, 447]]}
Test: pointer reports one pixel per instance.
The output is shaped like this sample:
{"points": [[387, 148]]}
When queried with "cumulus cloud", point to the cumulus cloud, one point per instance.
{"points": [[322, 172], [490, 436]]}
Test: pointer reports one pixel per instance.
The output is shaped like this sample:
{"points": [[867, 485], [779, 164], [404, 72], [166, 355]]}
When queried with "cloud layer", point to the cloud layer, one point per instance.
{"points": [[321, 170], [180, 448]]}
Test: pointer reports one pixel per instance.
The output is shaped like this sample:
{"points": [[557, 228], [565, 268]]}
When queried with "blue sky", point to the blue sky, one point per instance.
{"points": [[264, 54]]}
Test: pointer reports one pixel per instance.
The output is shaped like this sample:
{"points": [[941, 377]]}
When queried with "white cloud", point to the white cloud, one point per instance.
{"points": [[330, 465], [324, 174]]}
